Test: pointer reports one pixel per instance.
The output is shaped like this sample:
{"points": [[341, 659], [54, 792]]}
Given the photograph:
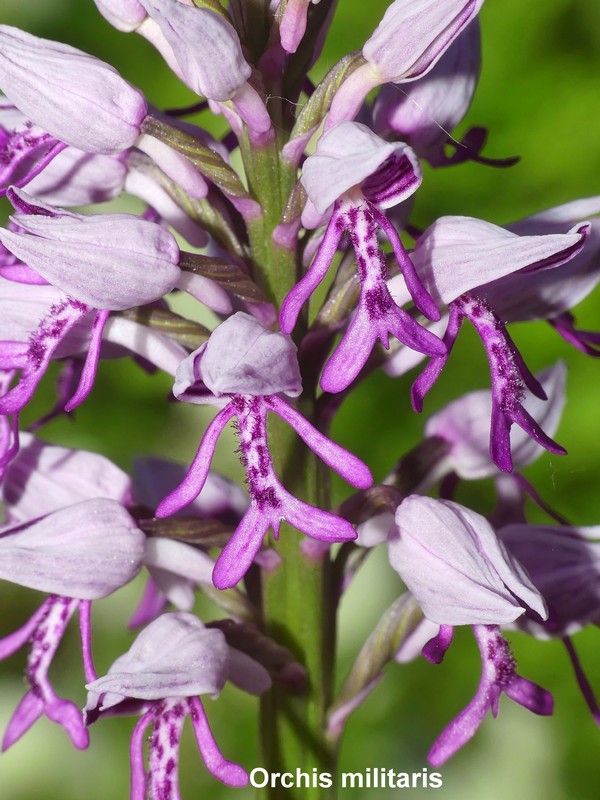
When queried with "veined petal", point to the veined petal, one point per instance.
{"points": [[425, 111], [247, 674], [77, 178], [44, 478], [125, 15], [175, 656], [457, 254], [414, 34], [22, 306], [44, 343], [452, 562], [158, 349], [346, 154], [293, 23], [564, 564], [200, 40], [25, 149], [85, 551], [551, 292], [143, 181], [557, 218], [75, 97], [244, 357], [108, 261], [179, 559]]}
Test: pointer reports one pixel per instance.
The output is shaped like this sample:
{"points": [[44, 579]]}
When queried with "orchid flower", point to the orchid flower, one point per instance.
{"points": [[452, 562], [76, 554], [99, 263], [464, 424], [353, 175], [424, 112], [498, 676], [551, 293], [460, 574], [563, 563], [27, 310], [192, 39], [407, 43], [44, 479], [73, 177], [456, 258], [249, 389], [172, 661], [72, 98]]}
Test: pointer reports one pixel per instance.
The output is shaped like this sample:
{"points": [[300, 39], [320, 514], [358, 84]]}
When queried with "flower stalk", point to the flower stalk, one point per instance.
{"points": [[298, 610]]}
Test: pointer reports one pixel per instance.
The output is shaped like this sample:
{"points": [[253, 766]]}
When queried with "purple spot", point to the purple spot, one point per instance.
{"points": [[173, 738], [265, 498], [378, 302]]}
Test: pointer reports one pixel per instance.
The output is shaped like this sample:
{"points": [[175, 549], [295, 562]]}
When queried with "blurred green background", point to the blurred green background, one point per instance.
{"points": [[540, 97]]}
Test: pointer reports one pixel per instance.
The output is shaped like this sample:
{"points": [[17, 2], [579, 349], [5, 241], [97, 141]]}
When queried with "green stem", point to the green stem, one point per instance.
{"points": [[299, 613], [270, 182], [298, 605]]}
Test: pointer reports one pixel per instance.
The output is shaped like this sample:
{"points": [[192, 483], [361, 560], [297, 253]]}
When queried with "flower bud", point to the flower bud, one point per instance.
{"points": [[73, 96], [453, 563], [108, 261]]}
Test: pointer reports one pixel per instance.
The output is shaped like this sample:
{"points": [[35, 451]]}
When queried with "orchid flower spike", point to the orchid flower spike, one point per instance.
{"points": [[457, 258], [460, 574], [410, 39], [170, 663], [78, 553], [354, 174], [249, 388]]}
